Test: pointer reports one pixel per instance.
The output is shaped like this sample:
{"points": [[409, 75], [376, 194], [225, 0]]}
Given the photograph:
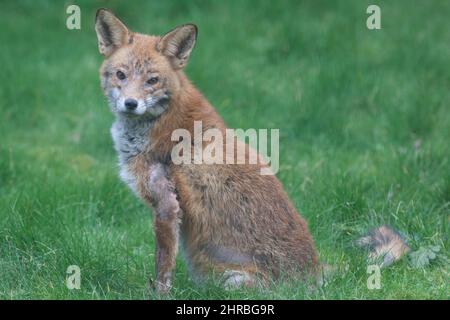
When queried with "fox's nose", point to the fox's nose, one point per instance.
{"points": [[131, 104]]}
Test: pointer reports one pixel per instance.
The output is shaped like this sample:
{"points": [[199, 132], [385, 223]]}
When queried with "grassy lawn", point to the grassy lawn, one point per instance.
{"points": [[364, 119]]}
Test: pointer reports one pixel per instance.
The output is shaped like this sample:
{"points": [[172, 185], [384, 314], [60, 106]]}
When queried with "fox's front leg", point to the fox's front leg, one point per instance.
{"points": [[166, 225]]}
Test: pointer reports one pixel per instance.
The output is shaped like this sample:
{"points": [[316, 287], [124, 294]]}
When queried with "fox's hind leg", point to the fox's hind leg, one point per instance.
{"points": [[166, 225], [234, 269]]}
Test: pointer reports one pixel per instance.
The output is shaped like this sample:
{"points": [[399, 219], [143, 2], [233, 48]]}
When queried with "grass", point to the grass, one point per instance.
{"points": [[364, 125]]}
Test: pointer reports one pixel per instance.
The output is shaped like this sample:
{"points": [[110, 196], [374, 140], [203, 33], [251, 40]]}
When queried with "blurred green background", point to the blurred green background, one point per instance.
{"points": [[364, 125]]}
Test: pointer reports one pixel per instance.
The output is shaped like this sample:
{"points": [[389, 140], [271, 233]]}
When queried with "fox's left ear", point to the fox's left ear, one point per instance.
{"points": [[177, 44]]}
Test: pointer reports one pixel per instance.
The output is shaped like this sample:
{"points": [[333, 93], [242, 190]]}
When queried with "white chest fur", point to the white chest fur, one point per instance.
{"points": [[130, 137]]}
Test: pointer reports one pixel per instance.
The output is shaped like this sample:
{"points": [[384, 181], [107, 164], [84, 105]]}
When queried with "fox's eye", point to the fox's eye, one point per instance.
{"points": [[152, 80], [120, 75]]}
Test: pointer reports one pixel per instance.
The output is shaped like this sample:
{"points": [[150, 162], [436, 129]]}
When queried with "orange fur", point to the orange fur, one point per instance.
{"points": [[231, 218]]}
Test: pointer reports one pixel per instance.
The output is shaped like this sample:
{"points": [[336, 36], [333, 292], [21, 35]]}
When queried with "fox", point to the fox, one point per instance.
{"points": [[228, 219]]}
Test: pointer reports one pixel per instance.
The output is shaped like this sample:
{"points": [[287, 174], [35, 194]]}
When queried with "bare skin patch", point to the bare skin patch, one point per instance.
{"points": [[223, 254], [163, 192]]}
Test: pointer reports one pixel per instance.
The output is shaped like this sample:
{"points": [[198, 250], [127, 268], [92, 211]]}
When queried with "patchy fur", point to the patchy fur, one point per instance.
{"points": [[229, 218]]}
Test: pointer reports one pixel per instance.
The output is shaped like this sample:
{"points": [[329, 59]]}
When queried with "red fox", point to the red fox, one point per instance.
{"points": [[228, 218]]}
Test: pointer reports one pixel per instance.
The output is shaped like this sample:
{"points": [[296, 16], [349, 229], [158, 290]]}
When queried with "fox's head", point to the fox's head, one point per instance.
{"points": [[141, 72]]}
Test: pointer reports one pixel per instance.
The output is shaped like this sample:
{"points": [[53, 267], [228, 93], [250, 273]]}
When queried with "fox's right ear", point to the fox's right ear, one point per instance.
{"points": [[111, 32]]}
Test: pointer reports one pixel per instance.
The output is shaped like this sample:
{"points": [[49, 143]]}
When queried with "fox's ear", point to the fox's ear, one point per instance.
{"points": [[177, 44], [111, 32]]}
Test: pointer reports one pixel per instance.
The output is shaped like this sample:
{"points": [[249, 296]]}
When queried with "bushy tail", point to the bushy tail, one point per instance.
{"points": [[385, 245]]}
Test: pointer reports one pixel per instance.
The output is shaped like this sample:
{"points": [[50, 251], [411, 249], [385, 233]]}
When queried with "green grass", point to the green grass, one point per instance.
{"points": [[364, 121]]}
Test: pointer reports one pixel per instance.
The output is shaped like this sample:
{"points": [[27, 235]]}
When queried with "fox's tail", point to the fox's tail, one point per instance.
{"points": [[385, 245]]}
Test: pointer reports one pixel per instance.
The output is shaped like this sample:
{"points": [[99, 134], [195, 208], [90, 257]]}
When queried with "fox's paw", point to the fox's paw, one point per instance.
{"points": [[234, 279], [160, 287]]}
